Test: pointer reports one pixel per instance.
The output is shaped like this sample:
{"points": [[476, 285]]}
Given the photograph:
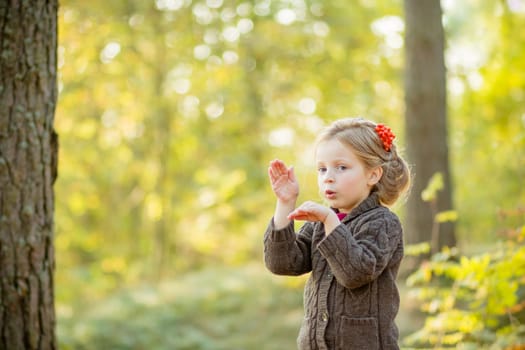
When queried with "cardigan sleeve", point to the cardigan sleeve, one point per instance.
{"points": [[288, 253], [359, 258]]}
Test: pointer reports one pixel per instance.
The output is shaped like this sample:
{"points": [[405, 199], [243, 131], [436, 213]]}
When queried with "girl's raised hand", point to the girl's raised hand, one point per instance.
{"points": [[283, 181]]}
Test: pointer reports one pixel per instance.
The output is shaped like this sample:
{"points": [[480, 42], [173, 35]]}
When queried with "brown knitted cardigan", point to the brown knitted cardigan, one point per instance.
{"points": [[351, 298]]}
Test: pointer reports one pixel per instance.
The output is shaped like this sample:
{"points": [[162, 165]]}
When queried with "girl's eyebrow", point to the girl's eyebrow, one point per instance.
{"points": [[337, 160]]}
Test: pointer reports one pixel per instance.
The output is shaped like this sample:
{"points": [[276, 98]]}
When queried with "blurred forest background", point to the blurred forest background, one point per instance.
{"points": [[168, 114]]}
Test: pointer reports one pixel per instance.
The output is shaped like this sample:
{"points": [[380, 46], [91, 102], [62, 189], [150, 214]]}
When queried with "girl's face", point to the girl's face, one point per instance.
{"points": [[343, 180]]}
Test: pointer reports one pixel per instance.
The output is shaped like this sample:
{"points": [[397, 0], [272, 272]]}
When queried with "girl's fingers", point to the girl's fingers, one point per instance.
{"points": [[297, 213], [299, 217], [271, 174], [307, 211], [272, 169], [291, 173], [278, 166]]}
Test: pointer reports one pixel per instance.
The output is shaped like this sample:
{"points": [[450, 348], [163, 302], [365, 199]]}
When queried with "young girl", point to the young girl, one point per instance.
{"points": [[352, 247]]}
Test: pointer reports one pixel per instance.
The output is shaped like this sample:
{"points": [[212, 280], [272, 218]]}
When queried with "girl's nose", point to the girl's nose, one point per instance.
{"points": [[328, 176]]}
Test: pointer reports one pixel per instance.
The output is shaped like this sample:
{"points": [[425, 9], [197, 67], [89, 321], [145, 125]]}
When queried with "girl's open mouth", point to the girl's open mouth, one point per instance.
{"points": [[329, 194]]}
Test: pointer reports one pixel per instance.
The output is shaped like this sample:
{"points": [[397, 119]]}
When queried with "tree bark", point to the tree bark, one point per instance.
{"points": [[28, 168], [426, 118]]}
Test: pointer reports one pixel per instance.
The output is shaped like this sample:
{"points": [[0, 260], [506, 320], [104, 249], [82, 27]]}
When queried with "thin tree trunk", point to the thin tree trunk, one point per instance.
{"points": [[28, 156], [426, 117]]}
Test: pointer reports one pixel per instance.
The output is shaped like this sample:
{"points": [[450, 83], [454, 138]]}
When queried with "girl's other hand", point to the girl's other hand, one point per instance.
{"points": [[310, 211], [283, 181]]}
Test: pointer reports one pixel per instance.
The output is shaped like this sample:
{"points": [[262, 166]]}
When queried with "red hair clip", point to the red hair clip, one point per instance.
{"points": [[386, 135]]}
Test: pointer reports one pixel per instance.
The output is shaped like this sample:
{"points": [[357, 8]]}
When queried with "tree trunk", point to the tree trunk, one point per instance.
{"points": [[28, 156], [426, 118]]}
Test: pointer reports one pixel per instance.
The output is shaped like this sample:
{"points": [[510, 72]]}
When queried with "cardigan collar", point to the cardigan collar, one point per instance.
{"points": [[371, 202]]}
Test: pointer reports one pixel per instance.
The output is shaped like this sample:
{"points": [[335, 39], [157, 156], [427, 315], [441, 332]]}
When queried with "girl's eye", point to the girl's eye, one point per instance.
{"points": [[341, 167], [321, 169]]}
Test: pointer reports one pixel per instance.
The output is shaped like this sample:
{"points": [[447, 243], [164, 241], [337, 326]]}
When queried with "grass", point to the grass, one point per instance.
{"points": [[217, 308]]}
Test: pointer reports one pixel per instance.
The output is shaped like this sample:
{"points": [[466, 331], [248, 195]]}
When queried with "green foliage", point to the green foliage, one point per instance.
{"points": [[429, 194], [488, 127], [169, 113], [213, 309], [472, 302]]}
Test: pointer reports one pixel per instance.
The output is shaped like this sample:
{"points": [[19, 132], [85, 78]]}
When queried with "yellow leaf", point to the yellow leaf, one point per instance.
{"points": [[446, 216], [435, 184]]}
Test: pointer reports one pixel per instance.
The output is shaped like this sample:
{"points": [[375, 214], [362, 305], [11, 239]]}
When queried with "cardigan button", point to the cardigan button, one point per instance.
{"points": [[324, 317]]}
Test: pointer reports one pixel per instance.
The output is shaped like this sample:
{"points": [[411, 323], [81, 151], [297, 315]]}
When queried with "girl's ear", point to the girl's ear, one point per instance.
{"points": [[375, 175]]}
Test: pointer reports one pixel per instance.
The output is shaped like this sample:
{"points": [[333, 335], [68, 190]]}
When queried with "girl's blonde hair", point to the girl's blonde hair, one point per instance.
{"points": [[361, 136]]}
